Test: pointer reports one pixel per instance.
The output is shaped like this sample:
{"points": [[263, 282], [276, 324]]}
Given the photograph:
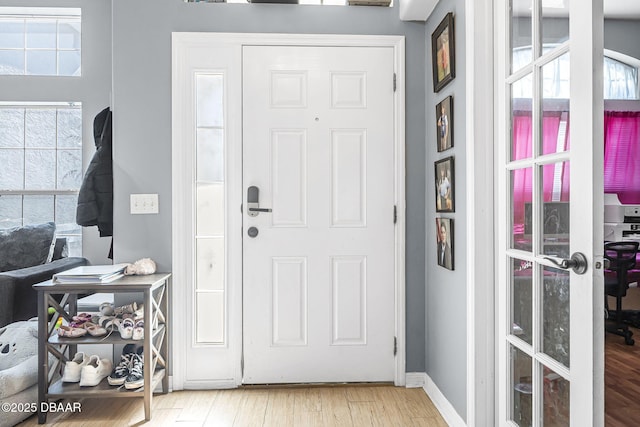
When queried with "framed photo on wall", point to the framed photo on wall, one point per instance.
{"points": [[444, 124], [445, 187], [443, 53], [444, 241]]}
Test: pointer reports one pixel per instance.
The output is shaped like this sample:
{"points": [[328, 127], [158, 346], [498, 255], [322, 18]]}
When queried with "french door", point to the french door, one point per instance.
{"points": [[549, 175]]}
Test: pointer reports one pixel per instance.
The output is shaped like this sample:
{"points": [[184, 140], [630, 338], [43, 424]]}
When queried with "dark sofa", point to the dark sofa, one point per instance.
{"points": [[29, 255]]}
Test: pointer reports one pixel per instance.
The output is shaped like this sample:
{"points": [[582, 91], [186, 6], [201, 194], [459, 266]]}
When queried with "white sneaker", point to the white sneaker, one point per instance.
{"points": [[94, 371], [73, 368]]}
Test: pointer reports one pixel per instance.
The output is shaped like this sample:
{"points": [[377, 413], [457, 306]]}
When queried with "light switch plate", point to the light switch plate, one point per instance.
{"points": [[144, 204]]}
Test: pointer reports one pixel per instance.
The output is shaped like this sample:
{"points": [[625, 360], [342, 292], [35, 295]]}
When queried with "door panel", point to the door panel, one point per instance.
{"points": [[318, 279], [550, 196]]}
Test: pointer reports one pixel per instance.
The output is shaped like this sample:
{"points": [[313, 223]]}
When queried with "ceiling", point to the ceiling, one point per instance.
{"points": [[622, 9]]}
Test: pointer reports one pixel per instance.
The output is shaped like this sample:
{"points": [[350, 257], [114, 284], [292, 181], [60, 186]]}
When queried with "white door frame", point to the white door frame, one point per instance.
{"points": [[183, 205], [480, 246]]}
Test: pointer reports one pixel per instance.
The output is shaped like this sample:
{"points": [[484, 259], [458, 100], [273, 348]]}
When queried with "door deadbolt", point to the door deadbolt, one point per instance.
{"points": [[253, 202], [252, 232]]}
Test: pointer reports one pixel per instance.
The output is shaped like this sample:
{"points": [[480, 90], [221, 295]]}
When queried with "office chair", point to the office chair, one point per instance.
{"points": [[622, 258]]}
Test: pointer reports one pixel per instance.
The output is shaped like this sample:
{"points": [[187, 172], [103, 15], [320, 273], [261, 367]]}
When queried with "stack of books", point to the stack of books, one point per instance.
{"points": [[91, 274]]}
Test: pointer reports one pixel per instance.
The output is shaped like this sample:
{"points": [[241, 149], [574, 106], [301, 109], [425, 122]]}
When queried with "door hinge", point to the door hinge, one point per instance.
{"points": [[395, 214], [395, 346], [394, 82]]}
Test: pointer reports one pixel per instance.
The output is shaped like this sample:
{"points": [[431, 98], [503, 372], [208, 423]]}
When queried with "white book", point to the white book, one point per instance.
{"points": [[90, 274]]}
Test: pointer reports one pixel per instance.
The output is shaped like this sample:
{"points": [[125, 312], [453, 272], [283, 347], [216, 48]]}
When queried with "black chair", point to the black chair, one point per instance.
{"points": [[622, 258]]}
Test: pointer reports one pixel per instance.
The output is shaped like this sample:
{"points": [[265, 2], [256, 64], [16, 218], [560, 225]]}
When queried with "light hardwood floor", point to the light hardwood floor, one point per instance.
{"points": [[339, 405]]}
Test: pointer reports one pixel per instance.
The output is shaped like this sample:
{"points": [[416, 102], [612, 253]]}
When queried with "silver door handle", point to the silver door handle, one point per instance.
{"points": [[253, 202], [577, 262]]}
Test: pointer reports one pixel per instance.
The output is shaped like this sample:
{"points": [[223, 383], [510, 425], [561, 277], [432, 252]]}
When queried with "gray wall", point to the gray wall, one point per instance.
{"points": [[142, 117], [622, 36], [93, 88], [446, 295]]}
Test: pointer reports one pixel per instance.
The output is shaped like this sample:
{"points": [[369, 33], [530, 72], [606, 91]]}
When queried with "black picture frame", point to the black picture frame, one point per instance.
{"points": [[444, 243], [445, 185], [444, 124], [443, 53]]}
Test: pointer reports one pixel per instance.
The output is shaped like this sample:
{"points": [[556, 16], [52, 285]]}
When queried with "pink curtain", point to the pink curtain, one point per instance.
{"points": [[522, 149], [622, 155]]}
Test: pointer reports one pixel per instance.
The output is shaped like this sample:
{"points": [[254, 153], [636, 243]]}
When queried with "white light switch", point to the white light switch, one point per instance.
{"points": [[144, 203]]}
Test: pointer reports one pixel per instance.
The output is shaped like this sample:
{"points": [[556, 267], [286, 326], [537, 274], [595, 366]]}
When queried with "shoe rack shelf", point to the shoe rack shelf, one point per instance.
{"points": [[155, 290]]}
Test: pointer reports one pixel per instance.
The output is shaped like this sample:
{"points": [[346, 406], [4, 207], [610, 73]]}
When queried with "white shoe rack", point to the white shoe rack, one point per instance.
{"points": [[154, 289]]}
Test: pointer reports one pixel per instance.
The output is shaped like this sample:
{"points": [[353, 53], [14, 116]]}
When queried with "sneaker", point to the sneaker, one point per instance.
{"points": [[73, 368], [121, 372], [135, 379], [94, 371]]}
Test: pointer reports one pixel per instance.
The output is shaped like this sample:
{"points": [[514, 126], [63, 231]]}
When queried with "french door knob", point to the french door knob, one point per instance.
{"points": [[577, 262]]}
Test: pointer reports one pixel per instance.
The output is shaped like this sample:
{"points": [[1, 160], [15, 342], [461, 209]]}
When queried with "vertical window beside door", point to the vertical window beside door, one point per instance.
{"points": [[210, 286]]}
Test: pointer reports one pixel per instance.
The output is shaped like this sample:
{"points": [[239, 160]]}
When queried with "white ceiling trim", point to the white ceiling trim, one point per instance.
{"points": [[416, 10]]}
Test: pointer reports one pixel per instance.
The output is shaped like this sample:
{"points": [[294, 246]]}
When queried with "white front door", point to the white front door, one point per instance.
{"points": [[550, 192], [318, 268]]}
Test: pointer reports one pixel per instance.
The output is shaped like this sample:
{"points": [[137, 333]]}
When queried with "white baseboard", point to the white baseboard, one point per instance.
{"points": [[445, 408], [415, 379]]}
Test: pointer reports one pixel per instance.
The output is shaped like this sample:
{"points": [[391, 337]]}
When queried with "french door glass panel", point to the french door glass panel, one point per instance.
{"points": [[537, 171]]}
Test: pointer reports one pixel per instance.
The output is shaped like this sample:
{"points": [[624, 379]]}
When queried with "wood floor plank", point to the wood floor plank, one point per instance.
{"points": [[196, 406], [253, 408], [225, 408], [335, 407], [307, 400], [280, 406]]}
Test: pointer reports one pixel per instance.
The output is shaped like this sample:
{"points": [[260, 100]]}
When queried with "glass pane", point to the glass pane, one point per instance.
{"points": [[40, 128], [521, 388], [555, 105], [41, 62], [69, 169], [66, 215], [555, 83], [521, 118], [12, 62], [209, 98], [210, 155], [12, 170], [10, 211], [69, 63], [210, 213], [555, 22], [41, 34], [555, 399], [555, 307], [69, 35], [521, 53], [40, 169], [70, 128], [522, 303], [210, 317], [11, 34], [210, 264], [11, 127], [38, 209], [521, 196], [555, 212]]}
